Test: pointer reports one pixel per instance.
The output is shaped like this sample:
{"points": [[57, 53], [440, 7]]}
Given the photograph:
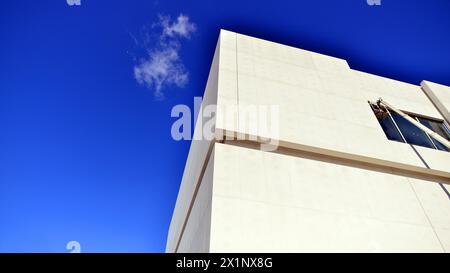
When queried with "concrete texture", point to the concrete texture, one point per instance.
{"points": [[336, 184]]}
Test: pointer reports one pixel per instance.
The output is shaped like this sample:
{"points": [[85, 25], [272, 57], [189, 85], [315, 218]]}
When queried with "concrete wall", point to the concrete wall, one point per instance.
{"points": [[195, 166], [336, 184], [323, 103], [196, 236], [439, 96], [270, 202]]}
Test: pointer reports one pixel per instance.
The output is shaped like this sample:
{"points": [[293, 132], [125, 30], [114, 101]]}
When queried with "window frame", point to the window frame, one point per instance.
{"points": [[415, 117]]}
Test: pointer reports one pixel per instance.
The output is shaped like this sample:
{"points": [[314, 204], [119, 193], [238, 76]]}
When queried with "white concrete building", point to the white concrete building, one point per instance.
{"points": [[341, 179]]}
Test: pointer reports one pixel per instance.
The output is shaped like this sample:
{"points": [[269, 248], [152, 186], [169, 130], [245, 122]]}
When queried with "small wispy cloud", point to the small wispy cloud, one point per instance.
{"points": [[162, 65], [182, 27]]}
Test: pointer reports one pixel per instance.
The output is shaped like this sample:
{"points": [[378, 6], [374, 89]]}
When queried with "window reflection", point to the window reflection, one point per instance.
{"points": [[399, 129], [438, 128], [411, 133]]}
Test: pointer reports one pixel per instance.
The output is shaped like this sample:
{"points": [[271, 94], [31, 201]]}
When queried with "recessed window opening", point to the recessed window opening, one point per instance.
{"points": [[397, 128]]}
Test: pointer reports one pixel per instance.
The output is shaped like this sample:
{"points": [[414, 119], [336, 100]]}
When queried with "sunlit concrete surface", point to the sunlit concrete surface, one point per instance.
{"points": [[336, 184]]}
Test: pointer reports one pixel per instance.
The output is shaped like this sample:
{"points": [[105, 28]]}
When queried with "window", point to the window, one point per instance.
{"points": [[399, 129], [411, 133], [438, 127]]}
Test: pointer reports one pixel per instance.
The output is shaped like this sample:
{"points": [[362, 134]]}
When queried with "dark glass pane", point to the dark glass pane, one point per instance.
{"points": [[411, 133], [388, 125], [437, 127]]}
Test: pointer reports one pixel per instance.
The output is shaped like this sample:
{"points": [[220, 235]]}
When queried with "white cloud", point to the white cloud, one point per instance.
{"points": [[181, 27], [162, 65]]}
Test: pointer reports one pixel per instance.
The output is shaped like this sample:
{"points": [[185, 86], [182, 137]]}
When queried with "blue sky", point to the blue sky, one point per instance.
{"points": [[85, 146]]}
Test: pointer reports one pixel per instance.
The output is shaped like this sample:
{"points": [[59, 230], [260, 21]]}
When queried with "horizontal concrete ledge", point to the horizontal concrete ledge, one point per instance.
{"points": [[336, 157]]}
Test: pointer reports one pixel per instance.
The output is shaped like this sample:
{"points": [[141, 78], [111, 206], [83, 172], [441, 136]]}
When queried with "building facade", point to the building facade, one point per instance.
{"points": [[343, 177]]}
